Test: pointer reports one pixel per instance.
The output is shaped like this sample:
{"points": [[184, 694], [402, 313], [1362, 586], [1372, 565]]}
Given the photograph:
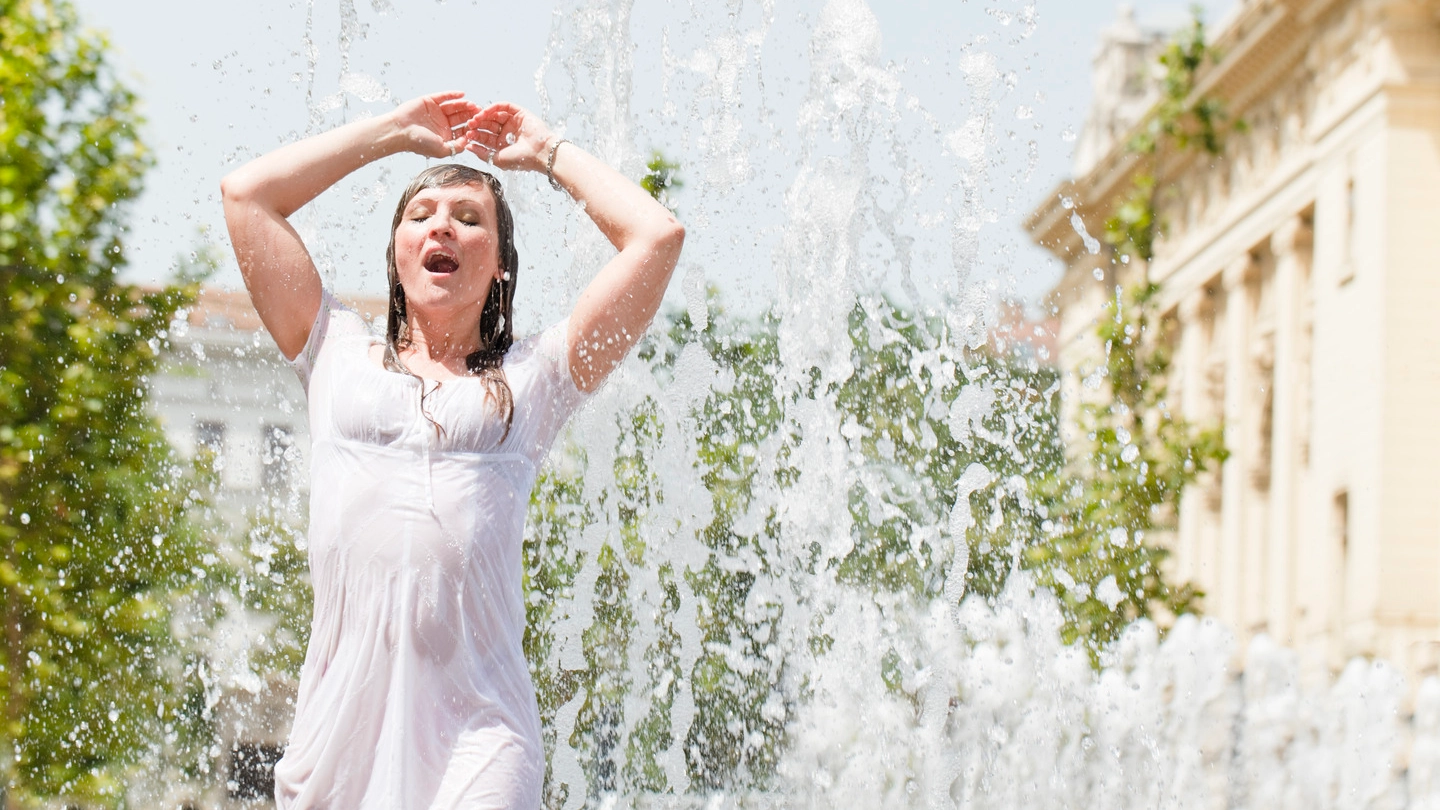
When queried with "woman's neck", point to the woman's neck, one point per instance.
{"points": [[439, 343]]}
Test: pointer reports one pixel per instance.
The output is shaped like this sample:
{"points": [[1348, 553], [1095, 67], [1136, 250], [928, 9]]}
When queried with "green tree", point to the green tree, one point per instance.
{"points": [[911, 440], [737, 681], [93, 531], [662, 179], [1182, 121], [272, 582], [1095, 537], [1101, 512]]}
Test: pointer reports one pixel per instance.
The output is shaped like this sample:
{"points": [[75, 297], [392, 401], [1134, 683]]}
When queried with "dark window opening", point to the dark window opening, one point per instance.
{"points": [[1342, 526], [210, 436], [252, 770]]}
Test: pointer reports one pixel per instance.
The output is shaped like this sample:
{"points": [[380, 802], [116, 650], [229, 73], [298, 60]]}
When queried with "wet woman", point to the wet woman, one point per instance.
{"points": [[415, 692]]}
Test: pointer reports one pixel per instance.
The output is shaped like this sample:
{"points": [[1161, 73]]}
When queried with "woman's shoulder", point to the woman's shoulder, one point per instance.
{"points": [[334, 322], [346, 319], [546, 345], [541, 362]]}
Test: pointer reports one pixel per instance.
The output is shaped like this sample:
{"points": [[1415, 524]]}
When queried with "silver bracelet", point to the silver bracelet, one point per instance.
{"points": [[550, 165]]}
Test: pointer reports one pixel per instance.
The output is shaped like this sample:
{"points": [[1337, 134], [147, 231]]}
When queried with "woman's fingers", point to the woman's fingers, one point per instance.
{"points": [[448, 121], [502, 133], [485, 152], [448, 104], [445, 97], [458, 111]]}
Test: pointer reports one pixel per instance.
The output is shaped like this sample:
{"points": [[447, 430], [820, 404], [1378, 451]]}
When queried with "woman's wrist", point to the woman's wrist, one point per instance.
{"points": [[391, 137], [549, 155]]}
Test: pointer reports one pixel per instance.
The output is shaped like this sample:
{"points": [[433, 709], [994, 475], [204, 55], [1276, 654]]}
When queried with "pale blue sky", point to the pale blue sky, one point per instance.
{"points": [[223, 81]]}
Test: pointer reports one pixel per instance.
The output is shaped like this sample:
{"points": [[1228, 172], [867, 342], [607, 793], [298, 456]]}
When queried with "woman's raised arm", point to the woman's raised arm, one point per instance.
{"points": [[615, 309], [261, 195]]}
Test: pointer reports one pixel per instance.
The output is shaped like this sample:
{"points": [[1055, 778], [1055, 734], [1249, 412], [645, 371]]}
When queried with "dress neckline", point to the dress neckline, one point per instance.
{"points": [[369, 362]]}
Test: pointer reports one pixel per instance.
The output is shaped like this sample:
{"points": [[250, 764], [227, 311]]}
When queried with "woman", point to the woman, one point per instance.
{"points": [[415, 691]]}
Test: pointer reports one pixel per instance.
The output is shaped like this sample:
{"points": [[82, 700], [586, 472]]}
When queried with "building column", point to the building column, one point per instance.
{"points": [[1289, 245], [1234, 484], [1191, 357]]}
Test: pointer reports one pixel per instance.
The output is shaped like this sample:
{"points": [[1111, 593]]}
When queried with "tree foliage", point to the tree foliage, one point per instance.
{"points": [[912, 436], [93, 530], [1125, 482], [1181, 121], [662, 179], [1095, 542], [956, 461]]}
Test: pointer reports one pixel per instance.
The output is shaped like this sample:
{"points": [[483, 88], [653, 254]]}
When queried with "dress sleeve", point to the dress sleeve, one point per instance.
{"points": [[550, 396], [550, 344], [334, 319]]}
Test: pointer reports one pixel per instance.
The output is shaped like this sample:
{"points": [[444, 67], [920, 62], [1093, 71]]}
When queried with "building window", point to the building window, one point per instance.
{"points": [[278, 457], [1340, 527], [210, 435], [252, 770], [1352, 234]]}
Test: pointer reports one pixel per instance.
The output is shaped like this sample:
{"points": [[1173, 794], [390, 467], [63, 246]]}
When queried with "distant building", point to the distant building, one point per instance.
{"points": [[1122, 86], [1017, 334], [225, 387], [1300, 273]]}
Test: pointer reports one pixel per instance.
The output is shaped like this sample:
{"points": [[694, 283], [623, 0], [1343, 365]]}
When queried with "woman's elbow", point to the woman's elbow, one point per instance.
{"points": [[671, 238], [235, 189]]}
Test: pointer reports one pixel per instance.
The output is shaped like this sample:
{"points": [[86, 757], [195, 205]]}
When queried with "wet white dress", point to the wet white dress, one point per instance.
{"points": [[415, 692]]}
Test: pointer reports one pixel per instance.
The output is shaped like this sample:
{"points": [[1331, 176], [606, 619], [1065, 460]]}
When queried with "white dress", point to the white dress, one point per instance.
{"points": [[415, 692]]}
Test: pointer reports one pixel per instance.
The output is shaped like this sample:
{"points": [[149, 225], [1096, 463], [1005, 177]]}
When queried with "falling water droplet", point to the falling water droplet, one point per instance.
{"points": [[25, 518], [509, 137]]}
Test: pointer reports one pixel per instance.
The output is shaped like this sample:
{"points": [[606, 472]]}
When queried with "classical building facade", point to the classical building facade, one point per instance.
{"points": [[1299, 274]]}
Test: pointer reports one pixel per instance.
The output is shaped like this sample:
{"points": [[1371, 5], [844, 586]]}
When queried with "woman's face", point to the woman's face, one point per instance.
{"points": [[447, 250]]}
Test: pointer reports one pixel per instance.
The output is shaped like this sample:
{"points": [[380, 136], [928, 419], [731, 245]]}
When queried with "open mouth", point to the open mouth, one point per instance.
{"points": [[441, 263]]}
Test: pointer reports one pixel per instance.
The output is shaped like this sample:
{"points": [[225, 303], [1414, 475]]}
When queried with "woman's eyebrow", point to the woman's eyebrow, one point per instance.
{"points": [[458, 201]]}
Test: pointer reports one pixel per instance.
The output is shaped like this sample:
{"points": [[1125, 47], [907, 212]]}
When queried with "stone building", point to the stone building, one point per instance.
{"points": [[226, 388], [1299, 273]]}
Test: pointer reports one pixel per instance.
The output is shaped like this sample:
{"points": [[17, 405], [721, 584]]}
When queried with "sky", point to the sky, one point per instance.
{"points": [[223, 82]]}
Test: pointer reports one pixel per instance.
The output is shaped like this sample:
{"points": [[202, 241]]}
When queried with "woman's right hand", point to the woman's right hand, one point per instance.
{"points": [[435, 125]]}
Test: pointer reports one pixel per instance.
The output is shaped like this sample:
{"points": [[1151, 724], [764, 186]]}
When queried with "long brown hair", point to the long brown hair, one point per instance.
{"points": [[497, 321]]}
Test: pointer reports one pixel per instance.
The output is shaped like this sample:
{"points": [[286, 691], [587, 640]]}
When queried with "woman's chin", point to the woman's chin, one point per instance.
{"points": [[438, 296]]}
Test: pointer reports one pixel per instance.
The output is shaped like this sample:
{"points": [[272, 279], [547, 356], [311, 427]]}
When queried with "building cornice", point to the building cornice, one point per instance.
{"points": [[1049, 225], [1260, 47]]}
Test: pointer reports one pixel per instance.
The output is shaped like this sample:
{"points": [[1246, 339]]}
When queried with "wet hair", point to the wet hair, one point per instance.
{"points": [[497, 319]]}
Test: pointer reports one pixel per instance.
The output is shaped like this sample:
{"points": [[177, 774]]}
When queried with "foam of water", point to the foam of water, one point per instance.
{"points": [[991, 709]]}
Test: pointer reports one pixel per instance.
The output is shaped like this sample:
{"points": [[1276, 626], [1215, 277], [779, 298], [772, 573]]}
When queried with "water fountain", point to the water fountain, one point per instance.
{"points": [[700, 632]]}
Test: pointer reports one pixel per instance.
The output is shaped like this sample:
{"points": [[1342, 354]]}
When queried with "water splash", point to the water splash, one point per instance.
{"points": [[698, 634]]}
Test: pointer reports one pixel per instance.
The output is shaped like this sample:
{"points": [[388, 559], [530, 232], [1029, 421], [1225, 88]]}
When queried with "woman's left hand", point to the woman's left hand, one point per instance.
{"points": [[509, 137], [615, 309]]}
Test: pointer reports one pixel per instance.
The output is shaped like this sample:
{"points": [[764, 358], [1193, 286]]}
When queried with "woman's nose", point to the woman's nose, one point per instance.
{"points": [[441, 225]]}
